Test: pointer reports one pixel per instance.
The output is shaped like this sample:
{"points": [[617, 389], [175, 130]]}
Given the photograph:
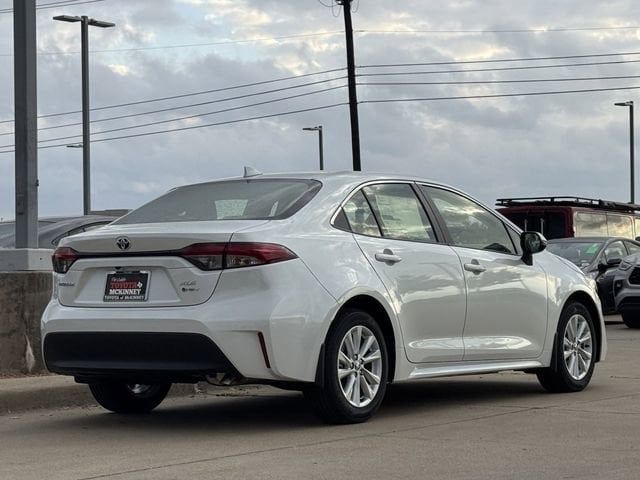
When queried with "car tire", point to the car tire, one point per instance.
{"points": [[121, 397], [355, 396], [631, 320], [574, 352]]}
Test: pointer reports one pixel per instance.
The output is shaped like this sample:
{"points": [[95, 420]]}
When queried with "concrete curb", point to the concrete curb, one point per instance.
{"points": [[55, 392]]}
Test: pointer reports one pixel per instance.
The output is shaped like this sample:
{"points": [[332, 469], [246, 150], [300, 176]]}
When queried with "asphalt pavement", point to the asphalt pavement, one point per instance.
{"points": [[499, 426]]}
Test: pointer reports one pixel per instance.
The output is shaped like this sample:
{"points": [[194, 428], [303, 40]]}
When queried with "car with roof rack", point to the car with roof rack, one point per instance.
{"points": [[567, 216]]}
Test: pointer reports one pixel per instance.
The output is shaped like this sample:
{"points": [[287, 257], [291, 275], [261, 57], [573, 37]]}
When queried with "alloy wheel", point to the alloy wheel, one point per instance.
{"points": [[577, 346], [359, 366]]}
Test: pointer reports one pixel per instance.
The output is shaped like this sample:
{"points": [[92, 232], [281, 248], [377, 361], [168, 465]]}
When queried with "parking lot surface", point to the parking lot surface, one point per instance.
{"points": [[482, 427]]}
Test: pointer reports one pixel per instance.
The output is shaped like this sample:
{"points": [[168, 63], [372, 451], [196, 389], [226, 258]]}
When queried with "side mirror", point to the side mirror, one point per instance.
{"points": [[531, 243], [609, 263]]}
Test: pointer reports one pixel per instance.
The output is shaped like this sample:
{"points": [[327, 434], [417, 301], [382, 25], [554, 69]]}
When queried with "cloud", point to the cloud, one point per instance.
{"points": [[520, 146]]}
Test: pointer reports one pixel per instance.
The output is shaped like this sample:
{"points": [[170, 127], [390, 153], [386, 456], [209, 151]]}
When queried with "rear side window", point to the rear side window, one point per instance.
{"points": [[399, 212], [360, 216], [263, 199], [586, 224], [620, 226]]}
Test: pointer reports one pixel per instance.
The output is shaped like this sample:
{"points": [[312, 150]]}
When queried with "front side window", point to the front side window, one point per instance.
{"points": [[399, 212], [258, 199], [469, 224]]}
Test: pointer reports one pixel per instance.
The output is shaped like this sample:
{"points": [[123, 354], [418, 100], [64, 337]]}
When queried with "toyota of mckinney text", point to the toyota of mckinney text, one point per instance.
{"points": [[333, 284]]}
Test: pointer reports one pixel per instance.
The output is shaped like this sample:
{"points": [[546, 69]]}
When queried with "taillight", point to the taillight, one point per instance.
{"points": [[205, 256], [217, 256], [249, 254], [63, 258]]}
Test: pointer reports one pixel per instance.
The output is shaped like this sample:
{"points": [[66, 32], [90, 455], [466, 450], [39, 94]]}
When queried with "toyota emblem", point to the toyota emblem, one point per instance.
{"points": [[123, 243]]}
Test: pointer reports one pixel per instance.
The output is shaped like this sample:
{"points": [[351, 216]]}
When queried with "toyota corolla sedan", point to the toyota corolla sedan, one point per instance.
{"points": [[335, 284]]}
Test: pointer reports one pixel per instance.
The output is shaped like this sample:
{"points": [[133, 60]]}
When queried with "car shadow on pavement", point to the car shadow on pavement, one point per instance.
{"points": [[275, 410]]}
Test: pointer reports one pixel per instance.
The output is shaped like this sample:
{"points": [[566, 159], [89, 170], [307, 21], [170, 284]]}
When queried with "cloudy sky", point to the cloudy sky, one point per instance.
{"points": [[573, 144]]}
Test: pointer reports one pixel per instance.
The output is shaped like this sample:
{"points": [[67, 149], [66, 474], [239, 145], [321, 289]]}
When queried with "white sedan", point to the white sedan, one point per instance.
{"points": [[335, 284]]}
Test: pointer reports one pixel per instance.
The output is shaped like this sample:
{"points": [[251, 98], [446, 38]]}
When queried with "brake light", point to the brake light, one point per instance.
{"points": [[205, 256], [218, 256], [63, 258]]}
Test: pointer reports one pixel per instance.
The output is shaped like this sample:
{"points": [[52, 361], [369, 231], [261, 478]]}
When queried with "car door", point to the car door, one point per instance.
{"points": [[423, 277], [506, 299]]}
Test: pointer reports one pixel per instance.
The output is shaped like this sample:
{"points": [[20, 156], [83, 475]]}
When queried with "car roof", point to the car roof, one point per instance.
{"points": [[341, 178]]}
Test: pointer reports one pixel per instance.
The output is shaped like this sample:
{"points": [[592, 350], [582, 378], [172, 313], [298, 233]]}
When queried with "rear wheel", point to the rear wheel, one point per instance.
{"points": [[129, 397], [574, 352], [355, 370], [631, 319]]}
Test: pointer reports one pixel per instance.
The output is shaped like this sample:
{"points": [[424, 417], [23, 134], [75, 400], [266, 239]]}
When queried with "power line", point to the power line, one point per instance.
{"points": [[508, 30], [498, 69], [484, 82], [501, 60], [192, 94], [189, 117], [192, 127], [62, 3], [192, 45], [180, 107], [521, 94]]}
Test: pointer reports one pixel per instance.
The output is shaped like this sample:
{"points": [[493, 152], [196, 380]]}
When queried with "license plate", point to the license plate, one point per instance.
{"points": [[126, 287]]}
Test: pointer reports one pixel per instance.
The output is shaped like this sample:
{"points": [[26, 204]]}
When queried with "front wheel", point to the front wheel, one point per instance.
{"points": [[355, 370], [631, 319], [129, 397], [574, 352]]}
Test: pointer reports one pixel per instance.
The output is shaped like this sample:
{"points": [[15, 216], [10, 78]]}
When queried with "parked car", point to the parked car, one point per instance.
{"points": [[598, 258], [335, 284], [627, 290], [565, 216], [9, 227], [51, 231]]}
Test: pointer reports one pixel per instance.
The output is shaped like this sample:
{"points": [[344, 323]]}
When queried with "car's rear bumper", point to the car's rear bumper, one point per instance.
{"points": [[282, 303], [174, 357]]}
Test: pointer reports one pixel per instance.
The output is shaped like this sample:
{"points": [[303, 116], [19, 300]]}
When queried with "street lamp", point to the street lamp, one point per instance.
{"points": [[320, 146], [631, 145], [86, 147]]}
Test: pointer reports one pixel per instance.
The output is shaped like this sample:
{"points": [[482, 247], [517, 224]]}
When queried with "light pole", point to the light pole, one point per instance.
{"points": [[86, 142], [631, 146], [320, 142]]}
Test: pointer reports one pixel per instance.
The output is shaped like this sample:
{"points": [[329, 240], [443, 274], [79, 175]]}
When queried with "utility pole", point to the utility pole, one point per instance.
{"points": [[353, 94], [85, 22], [26, 123], [86, 138], [631, 147]]}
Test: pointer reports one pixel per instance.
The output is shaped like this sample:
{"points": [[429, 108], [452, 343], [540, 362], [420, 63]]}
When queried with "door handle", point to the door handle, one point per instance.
{"points": [[474, 267], [387, 256]]}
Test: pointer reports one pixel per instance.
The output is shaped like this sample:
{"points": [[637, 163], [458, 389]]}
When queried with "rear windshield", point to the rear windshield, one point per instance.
{"points": [[228, 200]]}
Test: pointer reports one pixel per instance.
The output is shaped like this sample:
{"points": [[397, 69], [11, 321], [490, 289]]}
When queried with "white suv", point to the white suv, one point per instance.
{"points": [[333, 284]]}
